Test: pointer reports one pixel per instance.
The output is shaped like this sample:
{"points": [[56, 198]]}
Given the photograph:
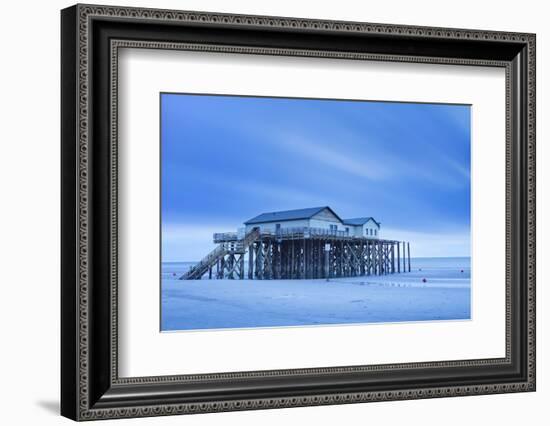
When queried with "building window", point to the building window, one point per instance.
{"points": [[370, 232], [347, 230], [375, 232], [277, 228]]}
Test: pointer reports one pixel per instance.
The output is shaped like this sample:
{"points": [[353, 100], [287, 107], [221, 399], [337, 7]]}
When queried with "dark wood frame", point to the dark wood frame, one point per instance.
{"points": [[90, 386]]}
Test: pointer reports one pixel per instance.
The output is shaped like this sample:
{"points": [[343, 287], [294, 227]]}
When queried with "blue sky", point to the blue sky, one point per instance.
{"points": [[226, 159]]}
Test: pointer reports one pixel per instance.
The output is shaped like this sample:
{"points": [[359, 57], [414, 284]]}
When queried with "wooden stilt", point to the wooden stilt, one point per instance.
{"points": [[251, 262], [404, 258], [241, 267], [381, 257], [398, 258], [304, 260], [260, 261], [409, 255], [303, 256], [279, 260]]}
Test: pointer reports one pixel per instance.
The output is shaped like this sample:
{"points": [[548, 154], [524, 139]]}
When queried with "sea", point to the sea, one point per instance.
{"points": [[436, 267]]}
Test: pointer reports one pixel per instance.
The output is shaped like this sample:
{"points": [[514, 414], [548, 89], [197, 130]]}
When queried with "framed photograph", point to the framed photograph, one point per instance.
{"points": [[263, 212]]}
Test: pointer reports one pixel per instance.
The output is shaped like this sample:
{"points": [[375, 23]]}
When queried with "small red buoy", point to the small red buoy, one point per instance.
{"points": [[419, 269], [462, 270], [173, 274], [424, 280]]}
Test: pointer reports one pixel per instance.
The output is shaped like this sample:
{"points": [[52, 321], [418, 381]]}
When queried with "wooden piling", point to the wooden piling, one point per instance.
{"points": [[398, 258], [393, 258], [304, 257], [404, 258], [251, 261], [409, 255]]}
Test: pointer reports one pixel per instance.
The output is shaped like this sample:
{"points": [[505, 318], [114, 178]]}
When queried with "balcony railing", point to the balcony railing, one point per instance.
{"points": [[301, 231], [306, 231], [225, 236]]}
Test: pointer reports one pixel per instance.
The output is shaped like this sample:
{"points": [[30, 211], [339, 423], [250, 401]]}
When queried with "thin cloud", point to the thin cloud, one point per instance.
{"points": [[316, 152]]}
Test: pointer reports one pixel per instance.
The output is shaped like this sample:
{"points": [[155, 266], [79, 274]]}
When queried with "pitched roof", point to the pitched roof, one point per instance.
{"points": [[360, 221], [289, 215]]}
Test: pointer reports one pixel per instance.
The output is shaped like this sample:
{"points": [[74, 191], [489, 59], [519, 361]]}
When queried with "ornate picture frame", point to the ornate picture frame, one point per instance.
{"points": [[91, 37]]}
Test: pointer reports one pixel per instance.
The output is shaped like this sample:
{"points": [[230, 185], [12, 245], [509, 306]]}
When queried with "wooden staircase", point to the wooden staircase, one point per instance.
{"points": [[238, 247]]}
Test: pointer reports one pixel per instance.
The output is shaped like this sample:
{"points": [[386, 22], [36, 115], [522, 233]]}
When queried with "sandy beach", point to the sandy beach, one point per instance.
{"points": [[215, 304]]}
